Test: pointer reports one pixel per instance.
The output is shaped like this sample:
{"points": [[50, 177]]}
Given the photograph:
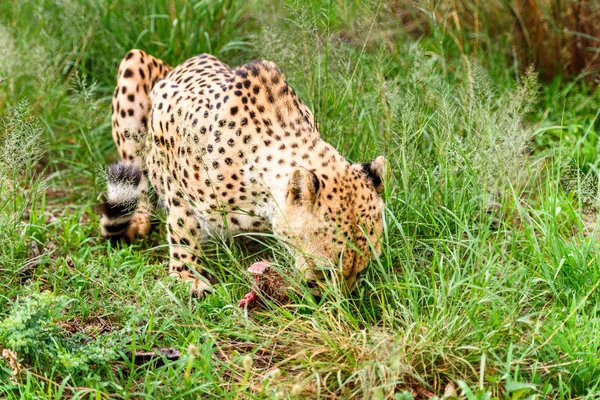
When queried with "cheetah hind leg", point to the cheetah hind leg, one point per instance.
{"points": [[131, 106], [141, 221]]}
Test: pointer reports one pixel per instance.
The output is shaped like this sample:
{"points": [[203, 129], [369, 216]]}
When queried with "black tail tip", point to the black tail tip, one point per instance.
{"points": [[116, 210]]}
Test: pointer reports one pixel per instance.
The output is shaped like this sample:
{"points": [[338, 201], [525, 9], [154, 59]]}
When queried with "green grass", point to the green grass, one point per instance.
{"points": [[488, 281]]}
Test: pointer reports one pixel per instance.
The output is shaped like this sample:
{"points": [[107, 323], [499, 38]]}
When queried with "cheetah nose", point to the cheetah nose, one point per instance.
{"points": [[313, 274], [314, 288], [309, 271], [312, 284]]}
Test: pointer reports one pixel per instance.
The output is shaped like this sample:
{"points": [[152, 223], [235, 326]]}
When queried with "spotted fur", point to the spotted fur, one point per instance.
{"points": [[236, 150]]}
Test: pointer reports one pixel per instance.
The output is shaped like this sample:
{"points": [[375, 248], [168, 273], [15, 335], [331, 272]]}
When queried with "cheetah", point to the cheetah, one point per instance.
{"points": [[235, 150]]}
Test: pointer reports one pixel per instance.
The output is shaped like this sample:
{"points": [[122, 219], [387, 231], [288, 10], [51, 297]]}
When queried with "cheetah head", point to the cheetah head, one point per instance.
{"points": [[333, 222]]}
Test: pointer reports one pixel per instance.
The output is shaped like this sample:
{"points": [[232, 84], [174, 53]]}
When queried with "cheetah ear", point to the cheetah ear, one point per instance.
{"points": [[303, 188], [376, 172]]}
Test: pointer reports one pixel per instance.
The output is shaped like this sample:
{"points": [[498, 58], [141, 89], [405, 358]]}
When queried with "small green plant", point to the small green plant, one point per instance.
{"points": [[31, 327], [33, 330]]}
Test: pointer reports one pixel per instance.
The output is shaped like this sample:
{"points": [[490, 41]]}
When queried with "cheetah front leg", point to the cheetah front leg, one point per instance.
{"points": [[184, 237], [138, 73]]}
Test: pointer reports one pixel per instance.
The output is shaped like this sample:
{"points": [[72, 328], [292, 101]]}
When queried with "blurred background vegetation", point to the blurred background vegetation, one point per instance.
{"points": [[558, 37]]}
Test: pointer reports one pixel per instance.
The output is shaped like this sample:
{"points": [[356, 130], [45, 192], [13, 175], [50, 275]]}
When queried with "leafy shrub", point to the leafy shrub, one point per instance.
{"points": [[33, 330]]}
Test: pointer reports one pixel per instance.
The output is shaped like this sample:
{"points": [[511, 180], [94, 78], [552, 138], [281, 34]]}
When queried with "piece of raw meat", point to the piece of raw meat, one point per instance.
{"points": [[267, 282]]}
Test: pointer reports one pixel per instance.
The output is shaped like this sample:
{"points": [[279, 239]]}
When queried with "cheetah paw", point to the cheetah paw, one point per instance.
{"points": [[200, 289]]}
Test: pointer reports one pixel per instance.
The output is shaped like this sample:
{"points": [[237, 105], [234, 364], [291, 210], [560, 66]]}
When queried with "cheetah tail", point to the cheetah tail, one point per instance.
{"points": [[123, 192]]}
